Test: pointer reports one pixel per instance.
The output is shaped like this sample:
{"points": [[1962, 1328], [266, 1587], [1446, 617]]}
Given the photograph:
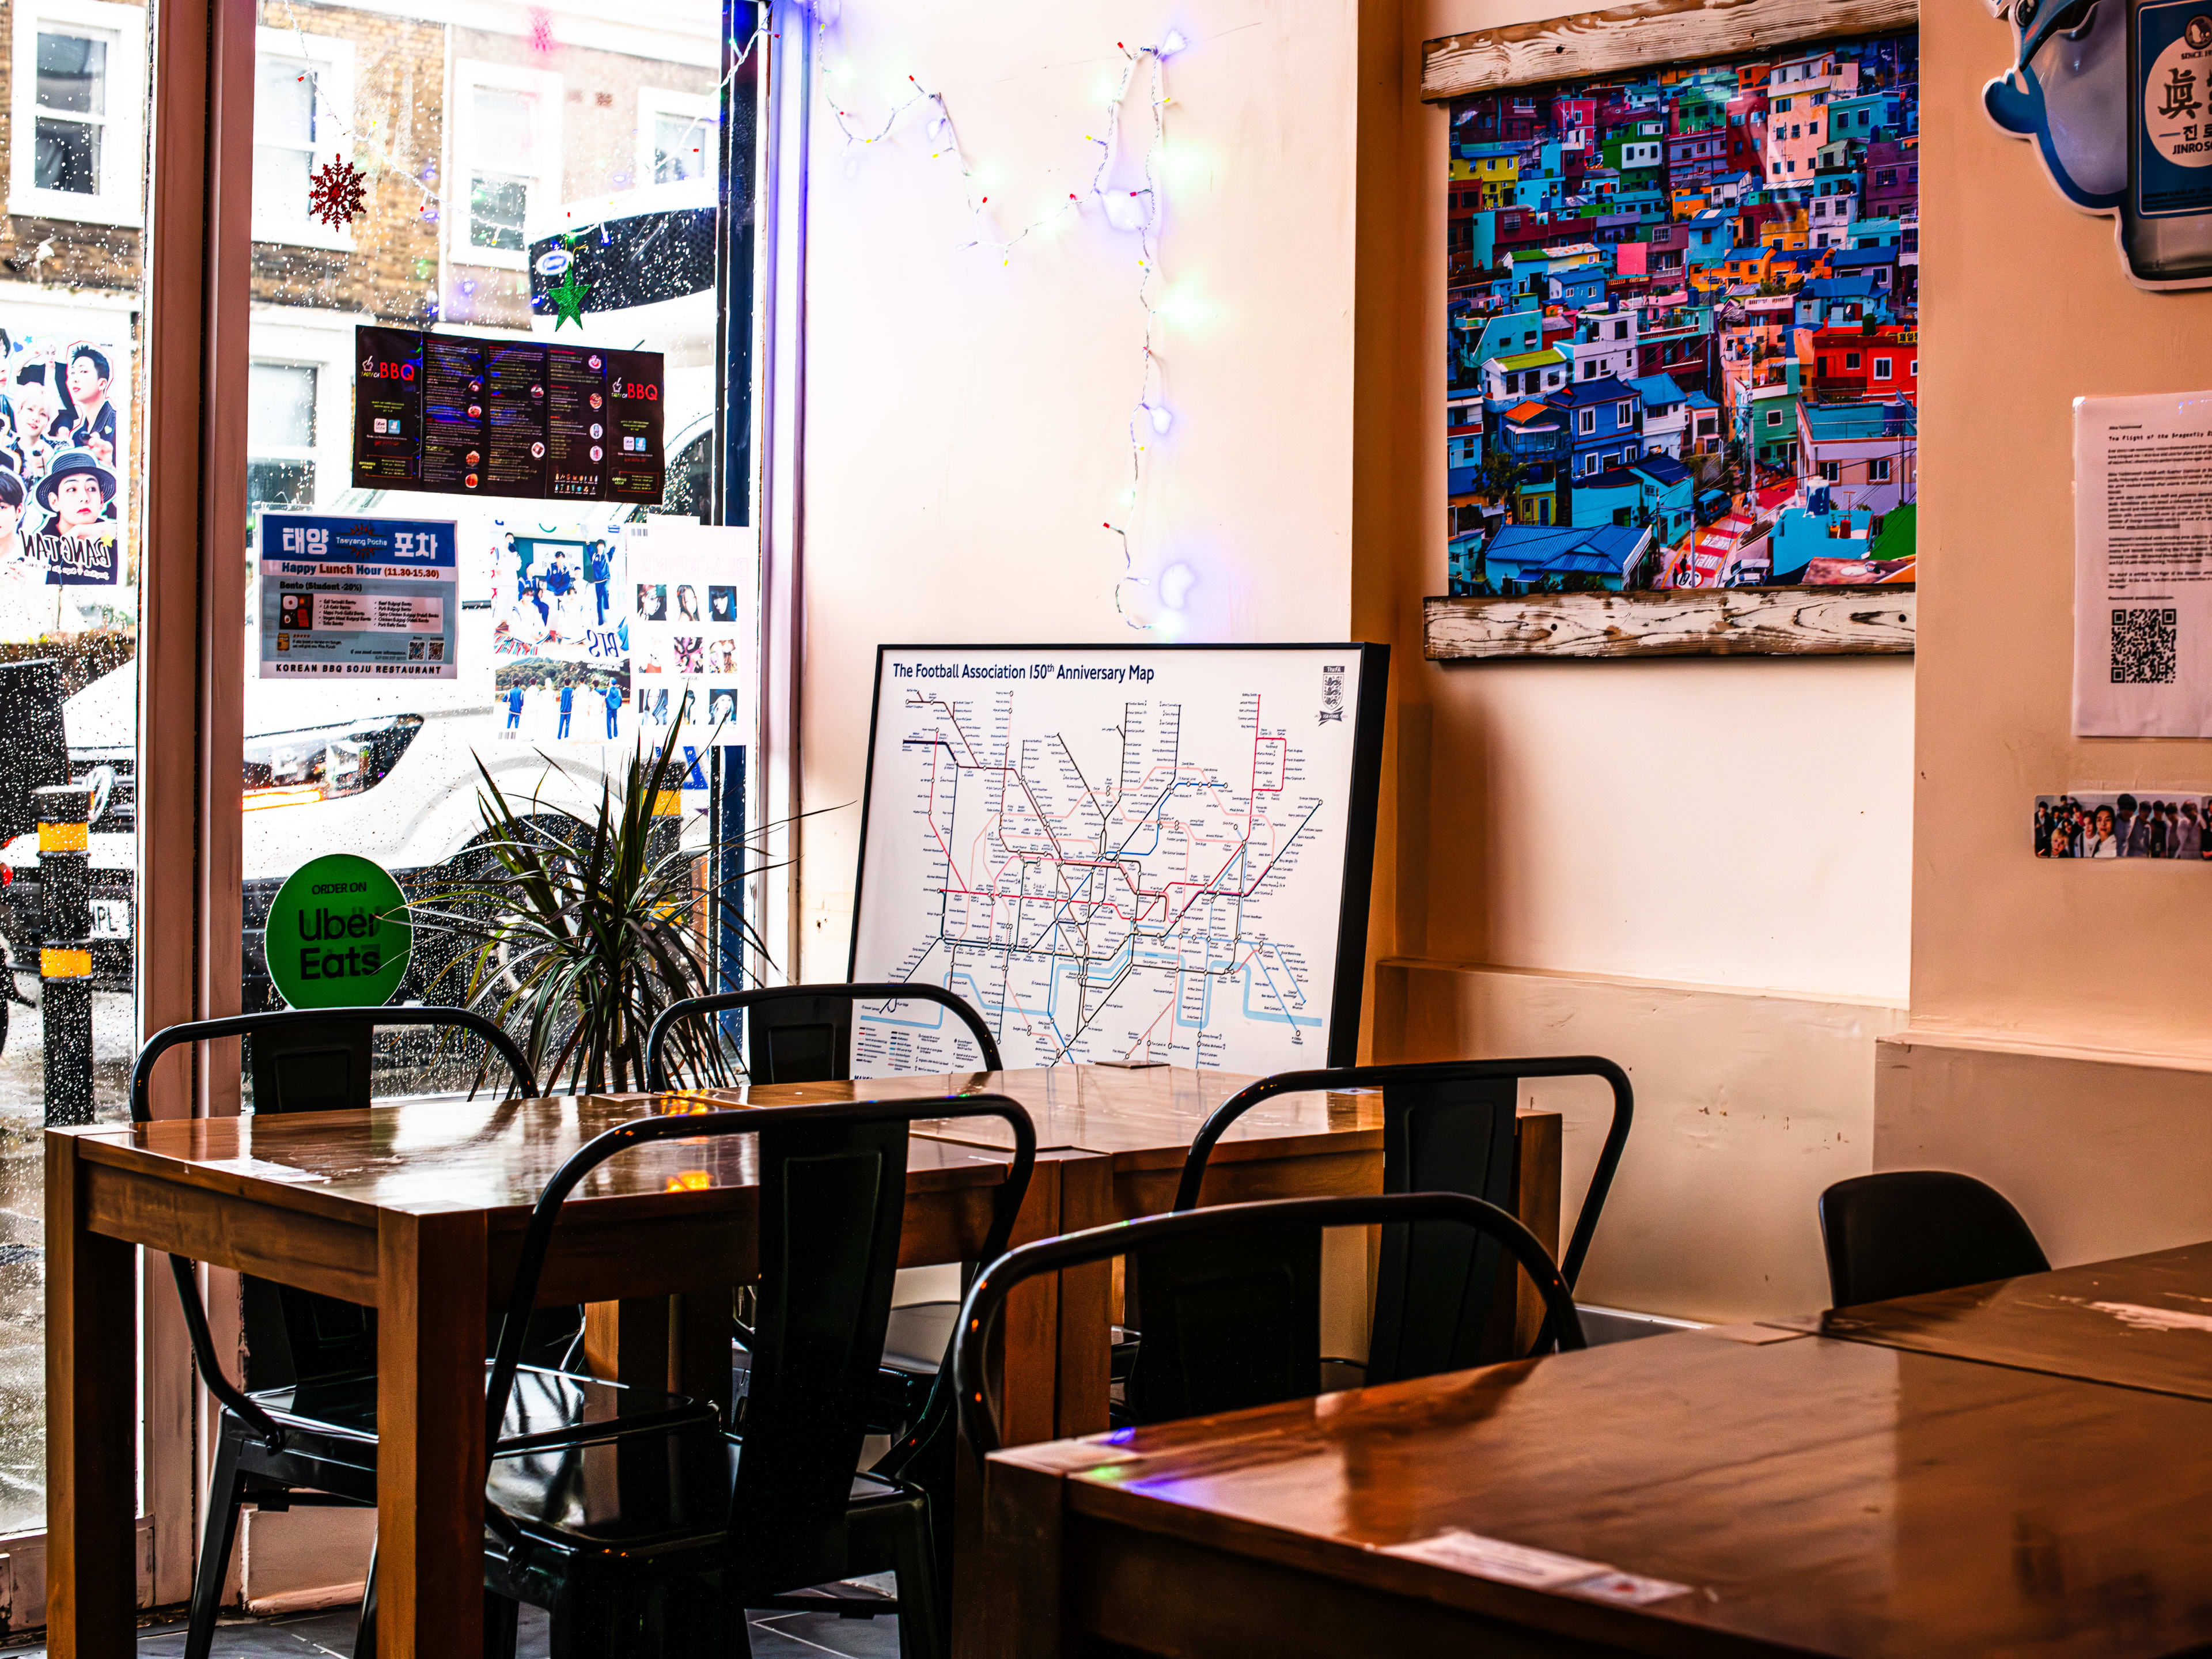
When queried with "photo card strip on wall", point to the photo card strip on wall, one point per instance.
{"points": [[456, 414]]}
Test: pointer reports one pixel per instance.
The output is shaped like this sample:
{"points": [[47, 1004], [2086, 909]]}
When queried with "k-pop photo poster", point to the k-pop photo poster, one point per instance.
{"points": [[63, 479], [2150, 824]]}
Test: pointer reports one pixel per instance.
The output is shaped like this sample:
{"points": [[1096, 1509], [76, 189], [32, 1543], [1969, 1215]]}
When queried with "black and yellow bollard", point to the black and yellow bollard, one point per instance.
{"points": [[65, 949]]}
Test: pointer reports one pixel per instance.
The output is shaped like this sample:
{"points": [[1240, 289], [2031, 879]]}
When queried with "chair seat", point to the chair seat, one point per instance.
{"points": [[918, 1337], [546, 1406], [660, 1492]]}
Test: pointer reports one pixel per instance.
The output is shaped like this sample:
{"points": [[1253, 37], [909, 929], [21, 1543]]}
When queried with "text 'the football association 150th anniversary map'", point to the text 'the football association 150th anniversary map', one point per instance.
{"points": [[1116, 855]]}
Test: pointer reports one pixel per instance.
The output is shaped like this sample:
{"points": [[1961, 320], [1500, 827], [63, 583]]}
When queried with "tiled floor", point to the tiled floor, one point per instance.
{"points": [[330, 1636]]}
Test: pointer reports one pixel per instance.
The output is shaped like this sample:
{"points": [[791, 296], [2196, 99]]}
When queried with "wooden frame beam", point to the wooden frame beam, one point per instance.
{"points": [[1673, 622], [1645, 32]]}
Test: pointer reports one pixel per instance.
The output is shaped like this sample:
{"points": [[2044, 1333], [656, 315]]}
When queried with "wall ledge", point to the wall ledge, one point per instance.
{"points": [[1990, 1043], [1690, 987]]}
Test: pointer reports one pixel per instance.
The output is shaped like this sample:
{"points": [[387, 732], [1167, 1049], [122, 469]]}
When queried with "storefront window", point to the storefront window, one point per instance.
{"points": [[71, 549], [498, 152]]}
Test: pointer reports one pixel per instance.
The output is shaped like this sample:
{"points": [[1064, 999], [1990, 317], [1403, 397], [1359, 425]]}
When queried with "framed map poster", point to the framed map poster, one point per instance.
{"points": [[1122, 853], [1682, 324]]}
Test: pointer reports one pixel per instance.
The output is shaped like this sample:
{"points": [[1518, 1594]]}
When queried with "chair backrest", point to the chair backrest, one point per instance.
{"points": [[1905, 1232], [832, 1198], [1443, 1296], [1263, 1225], [793, 1033], [304, 1059]]}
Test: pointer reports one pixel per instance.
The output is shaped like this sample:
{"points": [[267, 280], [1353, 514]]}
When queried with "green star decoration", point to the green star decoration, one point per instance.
{"points": [[568, 300]]}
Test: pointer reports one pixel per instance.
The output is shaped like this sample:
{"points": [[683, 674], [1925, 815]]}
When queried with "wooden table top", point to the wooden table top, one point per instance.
{"points": [[1811, 1496], [424, 1157], [1137, 1116], [2143, 1322]]}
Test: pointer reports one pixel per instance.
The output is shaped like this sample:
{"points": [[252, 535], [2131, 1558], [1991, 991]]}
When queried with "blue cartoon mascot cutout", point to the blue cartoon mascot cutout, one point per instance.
{"points": [[2117, 97]]}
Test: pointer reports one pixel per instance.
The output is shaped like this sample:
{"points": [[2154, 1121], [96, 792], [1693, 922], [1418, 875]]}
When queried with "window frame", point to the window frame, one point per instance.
{"points": [[333, 60], [471, 76], [123, 145]]}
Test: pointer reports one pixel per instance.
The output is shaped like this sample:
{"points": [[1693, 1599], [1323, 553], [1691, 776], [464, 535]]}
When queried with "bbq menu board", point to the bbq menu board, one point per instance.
{"points": [[465, 416]]}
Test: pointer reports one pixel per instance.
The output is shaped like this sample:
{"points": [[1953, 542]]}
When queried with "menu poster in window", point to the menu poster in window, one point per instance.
{"points": [[527, 418], [387, 409], [636, 470], [363, 598]]}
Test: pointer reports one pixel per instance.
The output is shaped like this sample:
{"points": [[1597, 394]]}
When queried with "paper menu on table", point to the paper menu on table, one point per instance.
{"points": [[2142, 566]]}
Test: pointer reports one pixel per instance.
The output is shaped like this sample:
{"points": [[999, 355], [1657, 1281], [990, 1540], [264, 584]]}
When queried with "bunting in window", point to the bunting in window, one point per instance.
{"points": [[335, 191]]}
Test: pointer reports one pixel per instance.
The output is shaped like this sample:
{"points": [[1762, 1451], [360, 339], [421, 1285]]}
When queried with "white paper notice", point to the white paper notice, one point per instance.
{"points": [[1534, 1569], [2142, 566]]}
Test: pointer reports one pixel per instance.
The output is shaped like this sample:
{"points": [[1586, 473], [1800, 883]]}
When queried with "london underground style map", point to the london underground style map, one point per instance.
{"points": [[1119, 853]]}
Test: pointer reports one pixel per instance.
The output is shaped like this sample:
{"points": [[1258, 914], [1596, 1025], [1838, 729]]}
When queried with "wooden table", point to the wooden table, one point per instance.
{"points": [[1138, 1125], [2143, 1321], [418, 1211], [1806, 1496]]}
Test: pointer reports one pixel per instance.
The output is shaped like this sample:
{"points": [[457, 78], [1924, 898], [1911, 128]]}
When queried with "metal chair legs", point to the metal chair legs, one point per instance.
{"points": [[226, 1495]]}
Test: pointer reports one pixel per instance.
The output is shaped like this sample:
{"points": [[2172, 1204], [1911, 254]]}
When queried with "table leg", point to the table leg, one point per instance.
{"points": [[92, 1365], [431, 1274], [1536, 1158], [699, 1345], [627, 1342], [1086, 1302], [1028, 1328]]}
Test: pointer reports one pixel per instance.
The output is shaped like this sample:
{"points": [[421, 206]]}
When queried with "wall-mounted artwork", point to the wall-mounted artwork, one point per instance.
{"points": [[1683, 345]]}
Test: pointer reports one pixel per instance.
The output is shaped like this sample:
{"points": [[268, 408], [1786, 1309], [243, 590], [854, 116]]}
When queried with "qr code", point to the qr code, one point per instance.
{"points": [[2143, 647]]}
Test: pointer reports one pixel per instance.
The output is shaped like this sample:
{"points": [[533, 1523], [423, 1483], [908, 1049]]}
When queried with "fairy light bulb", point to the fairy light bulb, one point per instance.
{"points": [[1127, 210]]}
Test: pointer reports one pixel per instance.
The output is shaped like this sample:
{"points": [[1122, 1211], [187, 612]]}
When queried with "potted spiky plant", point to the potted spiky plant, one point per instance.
{"points": [[577, 935]]}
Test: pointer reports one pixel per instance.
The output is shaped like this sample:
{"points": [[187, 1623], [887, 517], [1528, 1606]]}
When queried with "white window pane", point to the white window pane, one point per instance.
{"points": [[285, 103], [280, 407], [507, 129], [280, 181], [72, 73], [679, 148], [65, 155], [497, 207]]}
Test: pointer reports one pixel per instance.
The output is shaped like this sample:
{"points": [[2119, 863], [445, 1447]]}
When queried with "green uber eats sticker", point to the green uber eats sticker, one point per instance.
{"points": [[338, 936]]}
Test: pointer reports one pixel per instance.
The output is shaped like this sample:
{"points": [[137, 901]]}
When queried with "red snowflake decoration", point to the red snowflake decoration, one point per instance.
{"points": [[541, 32], [334, 193]]}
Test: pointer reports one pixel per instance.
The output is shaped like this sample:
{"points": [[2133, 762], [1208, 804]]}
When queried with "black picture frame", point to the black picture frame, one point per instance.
{"points": [[1364, 788]]}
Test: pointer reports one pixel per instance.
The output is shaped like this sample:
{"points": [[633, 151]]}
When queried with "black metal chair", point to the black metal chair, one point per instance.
{"points": [[1254, 1358], [1906, 1232], [1448, 1125], [657, 1544], [798, 1033], [302, 1430], [803, 1034]]}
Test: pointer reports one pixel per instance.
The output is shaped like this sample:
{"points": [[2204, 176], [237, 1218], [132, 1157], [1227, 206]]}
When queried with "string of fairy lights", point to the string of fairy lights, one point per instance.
{"points": [[1135, 209]]}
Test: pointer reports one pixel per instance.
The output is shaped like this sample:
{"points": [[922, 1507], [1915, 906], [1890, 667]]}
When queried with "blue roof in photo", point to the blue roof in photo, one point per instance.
{"points": [[1659, 390], [1849, 258], [1661, 469], [1603, 390], [1832, 422], [1578, 563], [1841, 288], [1698, 400], [1543, 547]]}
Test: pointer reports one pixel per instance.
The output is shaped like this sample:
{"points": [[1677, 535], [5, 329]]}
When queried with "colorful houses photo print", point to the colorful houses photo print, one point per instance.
{"points": [[1684, 331]]}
